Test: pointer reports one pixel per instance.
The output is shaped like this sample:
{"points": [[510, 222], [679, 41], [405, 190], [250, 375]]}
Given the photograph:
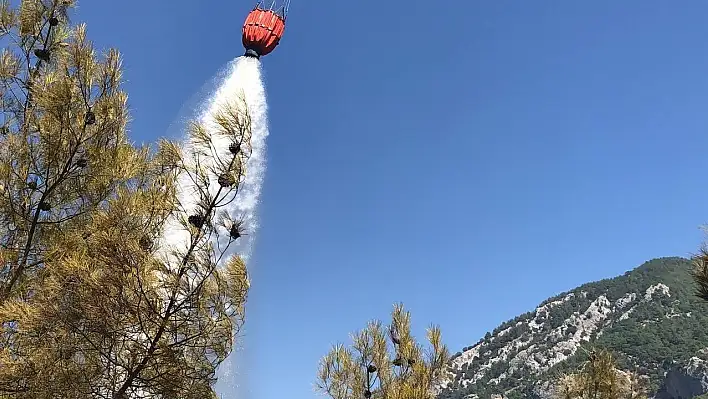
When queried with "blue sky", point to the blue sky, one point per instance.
{"points": [[469, 159]]}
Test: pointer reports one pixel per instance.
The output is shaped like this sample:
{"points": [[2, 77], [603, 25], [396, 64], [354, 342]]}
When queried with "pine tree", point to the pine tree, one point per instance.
{"points": [[568, 387], [599, 378], [96, 300], [384, 363], [63, 147], [635, 386], [700, 272]]}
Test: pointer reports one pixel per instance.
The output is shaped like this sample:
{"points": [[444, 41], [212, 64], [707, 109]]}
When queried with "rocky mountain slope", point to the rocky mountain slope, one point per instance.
{"points": [[649, 317]]}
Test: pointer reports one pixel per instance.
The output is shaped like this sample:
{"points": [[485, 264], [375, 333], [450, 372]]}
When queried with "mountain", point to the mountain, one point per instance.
{"points": [[649, 317]]}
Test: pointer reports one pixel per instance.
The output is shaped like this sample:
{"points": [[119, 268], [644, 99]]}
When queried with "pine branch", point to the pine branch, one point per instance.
{"points": [[172, 302]]}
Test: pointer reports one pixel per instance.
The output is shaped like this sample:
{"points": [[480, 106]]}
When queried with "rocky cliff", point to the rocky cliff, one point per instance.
{"points": [[649, 317]]}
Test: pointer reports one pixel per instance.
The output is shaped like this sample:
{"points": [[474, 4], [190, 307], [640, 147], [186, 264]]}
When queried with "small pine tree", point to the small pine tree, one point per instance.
{"points": [[599, 378], [700, 272], [636, 387], [384, 363], [94, 300]]}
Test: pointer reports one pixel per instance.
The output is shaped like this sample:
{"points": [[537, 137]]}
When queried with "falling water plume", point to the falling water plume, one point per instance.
{"points": [[241, 82]]}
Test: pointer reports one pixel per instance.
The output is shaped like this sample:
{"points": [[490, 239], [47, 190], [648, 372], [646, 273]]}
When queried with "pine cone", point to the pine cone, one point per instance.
{"points": [[398, 362], [196, 221], [235, 231], [81, 162], [371, 369], [53, 21], [145, 243], [44, 206], [411, 362], [234, 148], [226, 180], [367, 394], [32, 185], [42, 54], [90, 118]]}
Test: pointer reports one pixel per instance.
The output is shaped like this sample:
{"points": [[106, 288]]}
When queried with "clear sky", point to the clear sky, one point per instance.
{"points": [[468, 158]]}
